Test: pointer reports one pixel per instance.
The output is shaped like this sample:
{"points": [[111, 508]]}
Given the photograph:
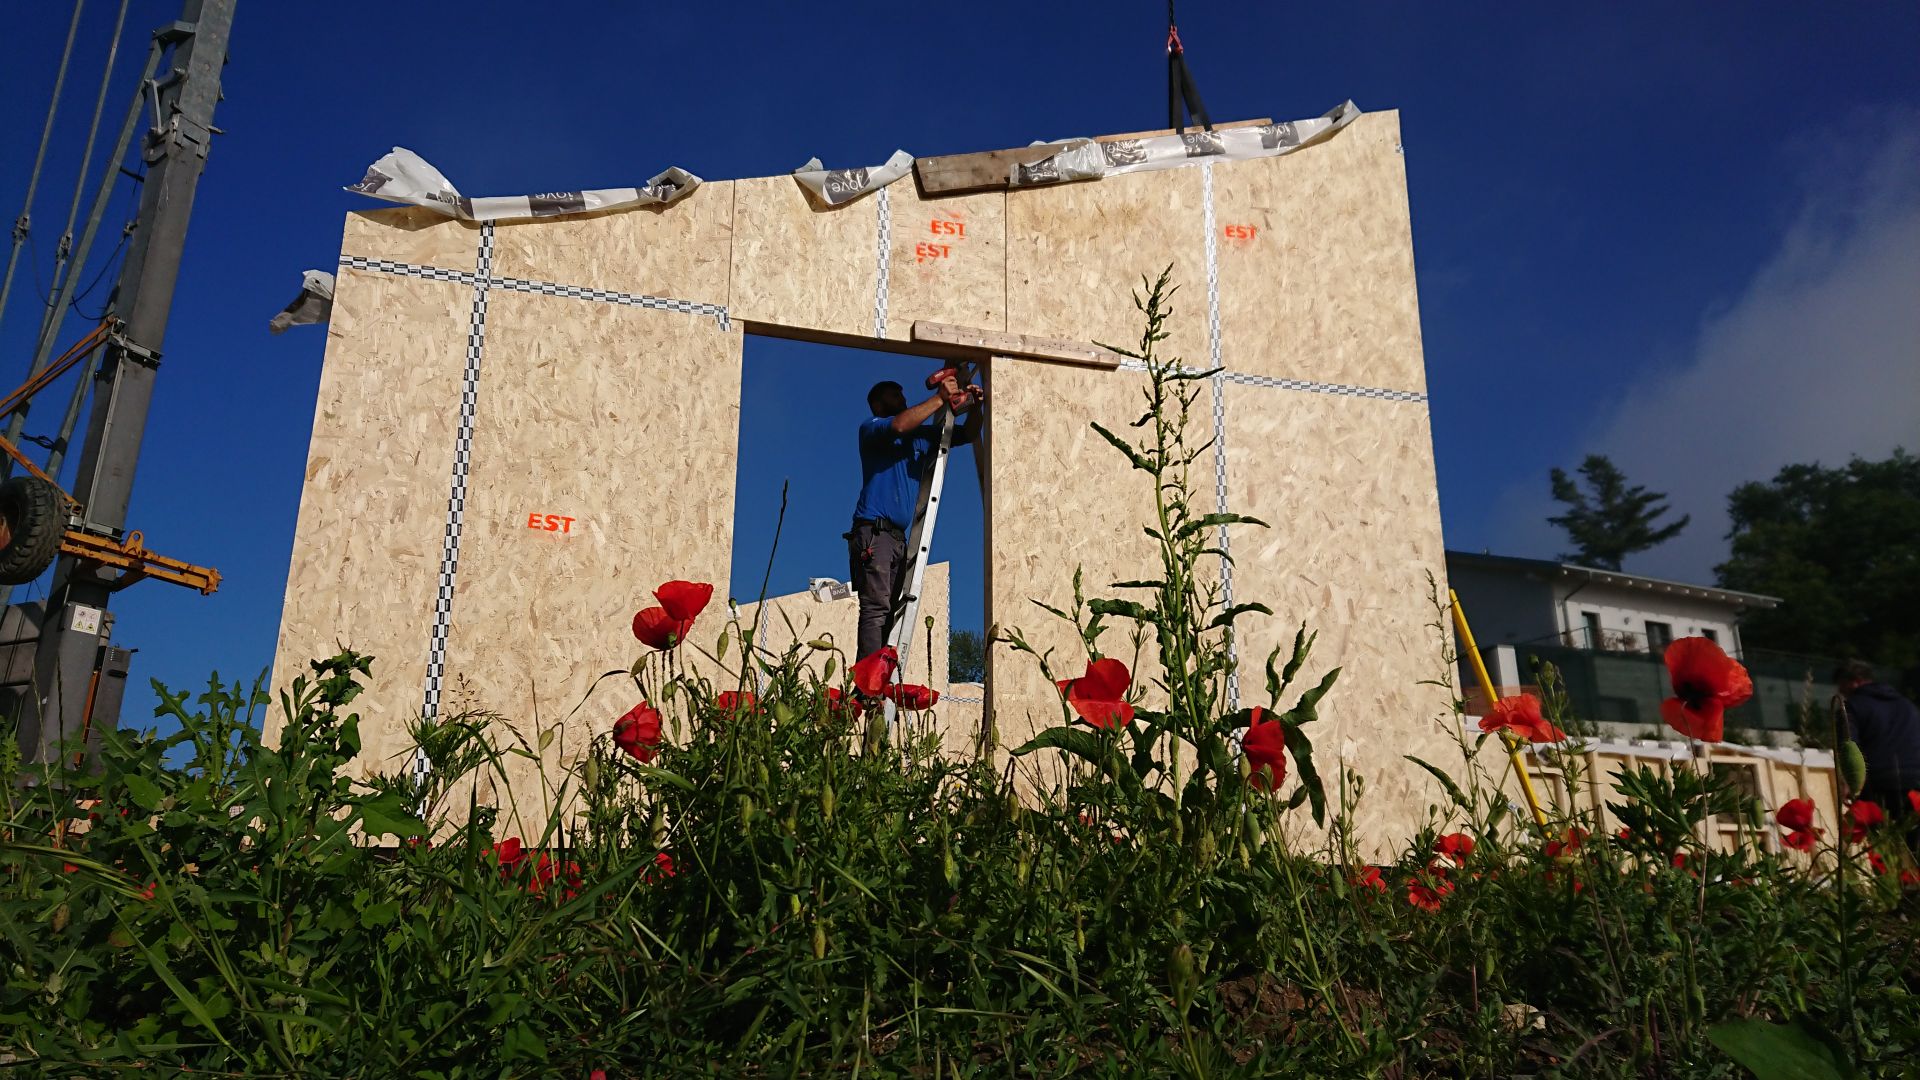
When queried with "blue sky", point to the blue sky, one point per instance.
{"points": [[1687, 236]]}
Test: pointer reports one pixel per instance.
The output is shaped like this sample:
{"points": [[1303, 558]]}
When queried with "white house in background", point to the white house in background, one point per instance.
{"points": [[1513, 601]]}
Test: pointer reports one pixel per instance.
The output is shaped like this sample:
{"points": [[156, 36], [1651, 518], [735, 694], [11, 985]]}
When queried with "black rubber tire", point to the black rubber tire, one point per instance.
{"points": [[33, 511]]}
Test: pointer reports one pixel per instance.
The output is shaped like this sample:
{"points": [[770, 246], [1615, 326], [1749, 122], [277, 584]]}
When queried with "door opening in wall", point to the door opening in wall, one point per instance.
{"points": [[802, 405]]}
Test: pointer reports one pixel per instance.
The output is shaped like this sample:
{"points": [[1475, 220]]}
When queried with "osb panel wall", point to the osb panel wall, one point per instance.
{"points": [[1312, 255], [1076, 253], [1316, 263], [617, 419], [681, 251], [411, 234], [1347, 484], [370, 525]]}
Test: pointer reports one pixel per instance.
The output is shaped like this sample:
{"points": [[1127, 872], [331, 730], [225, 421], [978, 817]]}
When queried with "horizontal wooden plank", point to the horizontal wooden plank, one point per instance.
{"points": [[1021, 346], [960, 174]]}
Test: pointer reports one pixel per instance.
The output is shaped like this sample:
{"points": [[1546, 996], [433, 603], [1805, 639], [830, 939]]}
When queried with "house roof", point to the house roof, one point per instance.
{"points": [[1558, 571]]}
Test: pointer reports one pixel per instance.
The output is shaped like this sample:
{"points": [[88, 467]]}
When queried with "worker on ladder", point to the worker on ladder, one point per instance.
{"points": [[897, 446]]}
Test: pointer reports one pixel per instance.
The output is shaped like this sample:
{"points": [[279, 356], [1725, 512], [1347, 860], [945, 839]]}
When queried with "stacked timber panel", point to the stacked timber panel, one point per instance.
{"points": [[607, 394]]}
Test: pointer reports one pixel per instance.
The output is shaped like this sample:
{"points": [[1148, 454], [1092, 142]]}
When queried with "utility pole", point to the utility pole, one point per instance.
{"points": [[75, 638]]}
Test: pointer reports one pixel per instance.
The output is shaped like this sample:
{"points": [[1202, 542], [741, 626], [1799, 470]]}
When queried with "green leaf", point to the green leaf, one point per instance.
{"points": [[1088, 746], [1126, 448], [1226, 617], [1302, 645], [1207, 521], [1127, 609], [146, 794], [1304, 710], [379, 914], [1453, 790], [1301, 747], [194, 1006], [387, 813], [1797, 1050]]}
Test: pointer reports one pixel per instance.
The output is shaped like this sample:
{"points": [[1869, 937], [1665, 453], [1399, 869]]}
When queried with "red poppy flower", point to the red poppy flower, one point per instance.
{"points": [[1879, 864], [1575, 837], [1706, 683], [147, 893], [1865, 816], [841, 705], [684, 600], [1679, 860], [1455, 846], [662, 866], [638, 732], [658, 630], [1914, 798], [1266, 747], [509, 853], [1520, 714], [875, 670], [1426, 897], [1099, 696], [734, 702], [1801, 839], [1910, 877], [1368, 878], [1795, 815], [597, 1074], [544, 871], [909, 696], [69, 868]]}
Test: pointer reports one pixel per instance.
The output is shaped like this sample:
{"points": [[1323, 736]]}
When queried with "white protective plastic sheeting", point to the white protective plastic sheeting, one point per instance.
{"points": [[404, 177], [313, 305], [1086, 159], [838, 187]]}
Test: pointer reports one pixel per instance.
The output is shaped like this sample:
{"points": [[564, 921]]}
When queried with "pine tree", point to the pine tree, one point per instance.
{"points": [[1613, 522]]}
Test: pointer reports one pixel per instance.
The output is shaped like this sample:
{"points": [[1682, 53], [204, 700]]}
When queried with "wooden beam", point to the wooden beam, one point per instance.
{"points": [[1022, 346], [961, 174]]}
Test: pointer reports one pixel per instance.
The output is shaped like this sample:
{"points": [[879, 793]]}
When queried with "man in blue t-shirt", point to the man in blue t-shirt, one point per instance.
{"points": [[897, 446]]}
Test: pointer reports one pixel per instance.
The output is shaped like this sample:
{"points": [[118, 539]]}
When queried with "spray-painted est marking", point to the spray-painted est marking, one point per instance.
{"points": [[553, 523]]}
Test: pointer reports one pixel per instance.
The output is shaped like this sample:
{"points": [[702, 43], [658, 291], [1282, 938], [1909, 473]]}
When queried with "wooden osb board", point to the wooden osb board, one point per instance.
{"points": [[411, 234], [680, 251], [625, 420], [1315, 253], [802, 265], [374, 507], [799, 618], [1061, 499], [1347, 484], [1076, 253]]}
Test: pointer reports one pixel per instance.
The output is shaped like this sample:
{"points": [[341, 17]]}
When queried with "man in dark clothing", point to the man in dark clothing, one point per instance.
{"points": [[897, 447], [1887, 727]]}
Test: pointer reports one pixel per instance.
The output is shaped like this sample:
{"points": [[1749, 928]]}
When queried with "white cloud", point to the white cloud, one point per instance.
{"points": [[1818, 359]]}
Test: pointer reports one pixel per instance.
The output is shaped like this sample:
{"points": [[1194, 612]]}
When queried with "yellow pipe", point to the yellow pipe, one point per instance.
{"points": [[1486, 686]]}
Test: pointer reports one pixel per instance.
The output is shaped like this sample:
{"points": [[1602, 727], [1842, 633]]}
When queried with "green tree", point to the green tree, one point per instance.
{"points": [[966, 656], [1613, 522], [1841, 548]]}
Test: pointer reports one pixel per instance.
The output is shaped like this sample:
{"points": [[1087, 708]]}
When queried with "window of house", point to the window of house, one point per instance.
{"points": [[1710, 634], [1592, 620], [1659, 636]]}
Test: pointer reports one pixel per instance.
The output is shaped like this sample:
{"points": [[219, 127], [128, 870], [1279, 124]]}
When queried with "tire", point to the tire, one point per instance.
{"points": [[32, 509]]}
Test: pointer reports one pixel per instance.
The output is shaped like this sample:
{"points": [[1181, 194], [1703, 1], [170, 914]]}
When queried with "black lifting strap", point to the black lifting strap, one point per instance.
{"points": [[1180, 88]]}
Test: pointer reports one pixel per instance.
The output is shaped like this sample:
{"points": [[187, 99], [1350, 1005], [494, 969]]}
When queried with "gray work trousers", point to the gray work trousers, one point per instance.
{"points": [[876, 557]]}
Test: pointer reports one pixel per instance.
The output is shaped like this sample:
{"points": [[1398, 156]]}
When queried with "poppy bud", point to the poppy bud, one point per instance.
{"points": [[821, 644], [1209, 848], [1757, 813], [826, 802], [1024, 870], [950, 867], [819, 942], [746, 811], [1182, 977], [590, 773], [793, 903], [1853, 766], [760, 774], [1241, 856], [1252, 825], [1013, 807], [827, 669]]}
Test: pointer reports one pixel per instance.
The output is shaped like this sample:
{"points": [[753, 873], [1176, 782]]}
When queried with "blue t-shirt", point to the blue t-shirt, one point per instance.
{"points": [[890, 468]]}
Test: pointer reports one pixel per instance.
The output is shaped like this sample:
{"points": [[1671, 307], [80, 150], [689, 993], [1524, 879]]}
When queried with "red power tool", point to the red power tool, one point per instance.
{"points": [[947, 381]]}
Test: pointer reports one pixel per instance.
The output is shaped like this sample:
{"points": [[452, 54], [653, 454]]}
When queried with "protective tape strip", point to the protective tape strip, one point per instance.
{"points": [[886, 262], [1306, 385], [457, 496], [1219, 428], [716, 312]]}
